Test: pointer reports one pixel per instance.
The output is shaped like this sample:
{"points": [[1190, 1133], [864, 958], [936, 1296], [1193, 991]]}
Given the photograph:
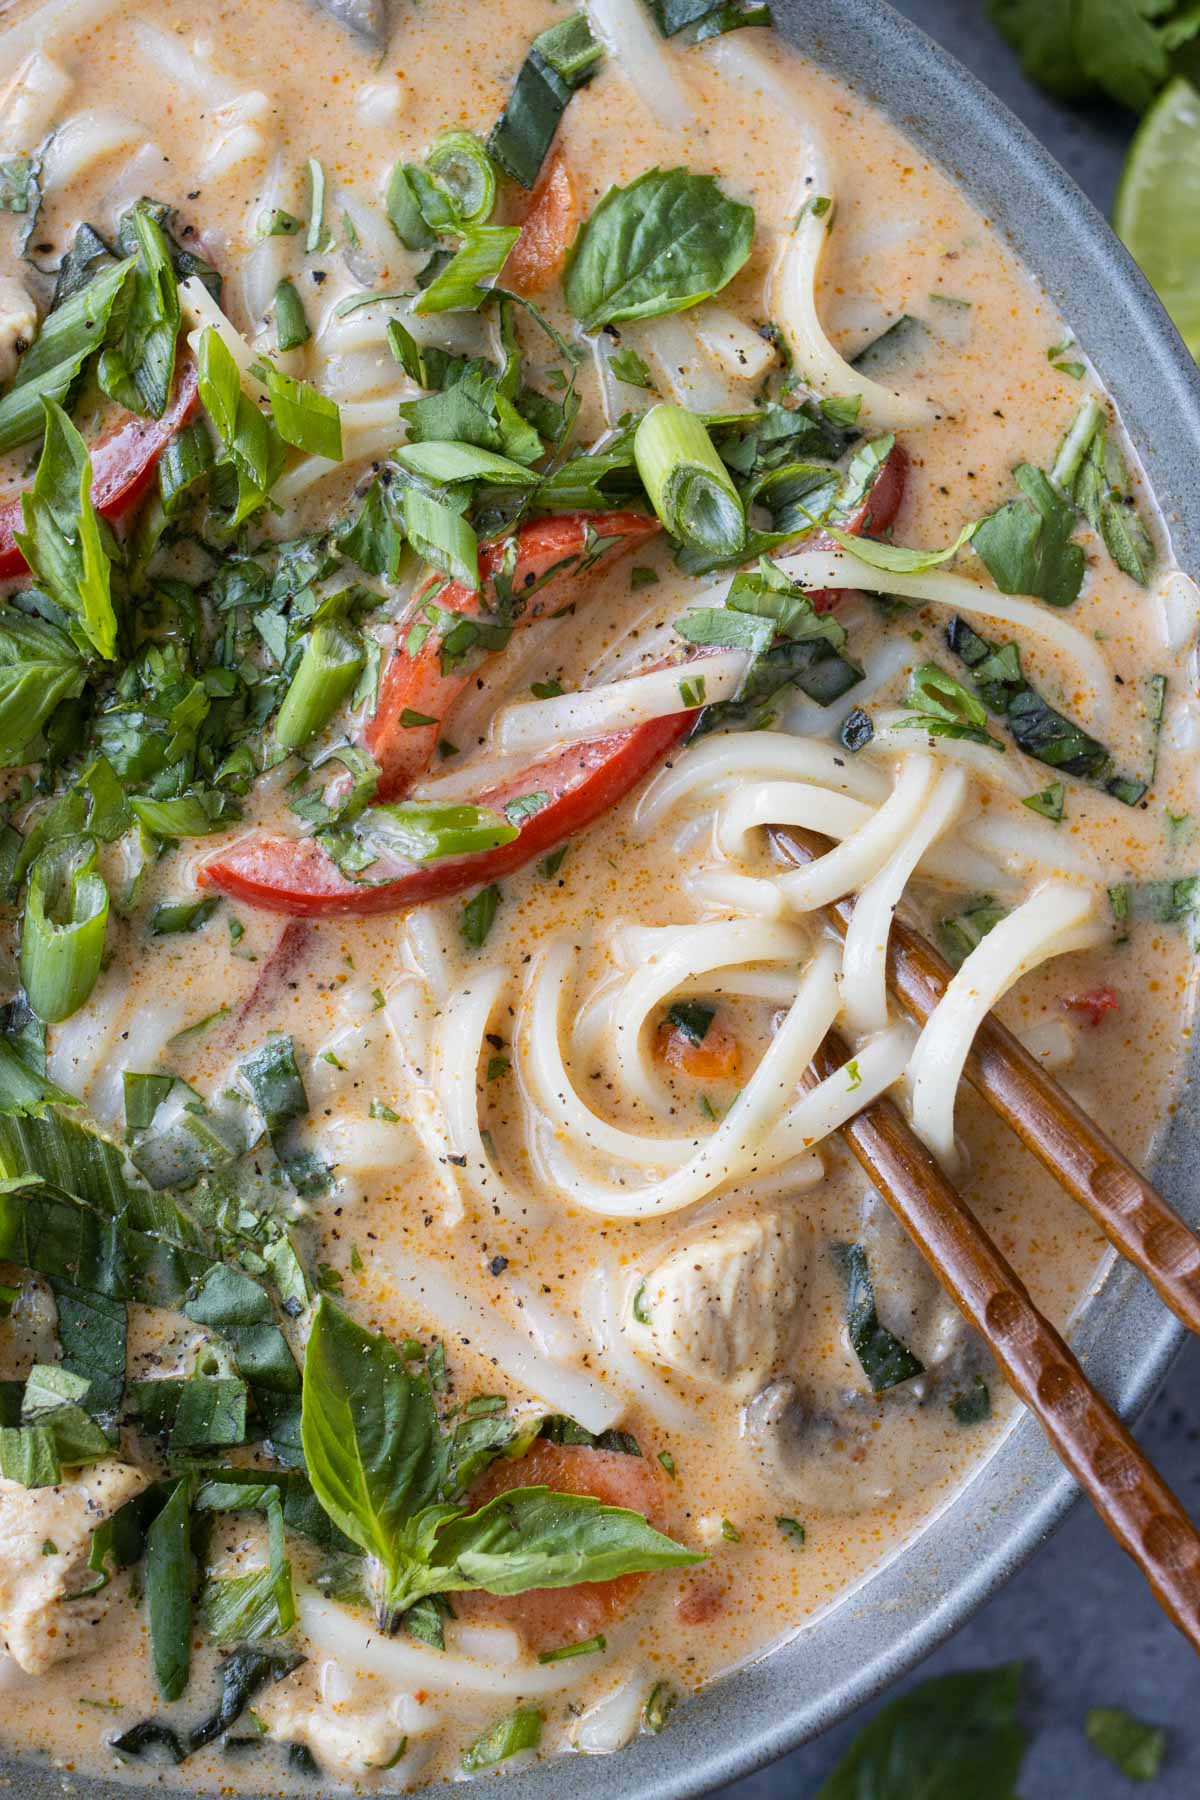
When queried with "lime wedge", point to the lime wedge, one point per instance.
{"points": [[1158, 204]]}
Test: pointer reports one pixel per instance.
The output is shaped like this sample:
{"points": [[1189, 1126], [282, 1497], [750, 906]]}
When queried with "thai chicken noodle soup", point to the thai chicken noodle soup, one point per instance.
{"points": [[473, 482]]}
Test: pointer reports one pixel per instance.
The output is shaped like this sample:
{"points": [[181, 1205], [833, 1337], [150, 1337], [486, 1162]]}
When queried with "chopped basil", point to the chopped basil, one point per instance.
{"points": [[291, 324], [792, 1530], [1092, 472], [858, 728], [588, 1647], [942, 707], [479, 915], [1028, 546], [560, 60], [692, 1018], [660, 1704], [886, 1362], [962, 932], [973, 1407], [1049, 802]]}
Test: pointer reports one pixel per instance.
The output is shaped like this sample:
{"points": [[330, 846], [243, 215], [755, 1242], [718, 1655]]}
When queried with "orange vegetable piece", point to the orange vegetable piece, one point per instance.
{"points": [[550, 1617], [536, 260], [717, 1057]]}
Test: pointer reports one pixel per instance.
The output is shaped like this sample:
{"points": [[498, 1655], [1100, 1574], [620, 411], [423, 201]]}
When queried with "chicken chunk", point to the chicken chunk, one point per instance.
{"points": [[18, 326], [45, 1541], [723, 1308], [347, 1740]]}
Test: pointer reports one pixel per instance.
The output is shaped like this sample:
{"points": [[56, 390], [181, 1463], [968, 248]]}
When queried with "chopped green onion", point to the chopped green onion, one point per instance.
{"points": [[404, 210], [441, 536], [185, 461], [458, 286], [463, 169], [316, 211], [660, 1703], [517, 1731], [278, 223], [689, 486], [62, 933], [291, 326], [793, 1529], [303, 417], [332, 661], [447, 463], [565, 1652]]}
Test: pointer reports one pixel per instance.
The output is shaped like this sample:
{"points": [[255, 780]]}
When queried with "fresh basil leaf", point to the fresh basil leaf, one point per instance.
{"points": [[479, 915], [667, 241], [1134, 1748], [1027, 545], [473, 410], [534, 1538], [170, 1569], [242, 1675], [1080, 48], [956, 1736], [63, 542], [275, 1083], [885, 1360], [370, 1439]]}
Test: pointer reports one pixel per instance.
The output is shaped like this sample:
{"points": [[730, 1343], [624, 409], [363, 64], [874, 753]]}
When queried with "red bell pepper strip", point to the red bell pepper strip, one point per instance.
{"points": [[876, 514], [123, 464], [417, 684], [583, 781]]}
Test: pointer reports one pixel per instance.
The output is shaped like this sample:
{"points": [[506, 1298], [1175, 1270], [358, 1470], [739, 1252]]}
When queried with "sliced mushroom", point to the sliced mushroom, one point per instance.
{"points": [[724, 1307], [814, 1459], [368, 19]]}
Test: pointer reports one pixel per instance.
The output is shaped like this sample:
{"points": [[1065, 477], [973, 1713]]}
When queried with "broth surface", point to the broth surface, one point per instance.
{"points": [[417, 1236]]}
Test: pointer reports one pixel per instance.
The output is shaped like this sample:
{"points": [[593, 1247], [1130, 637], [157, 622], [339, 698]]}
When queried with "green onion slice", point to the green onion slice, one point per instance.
{"points": [[691, 489], [331, 664], [62, 933]]}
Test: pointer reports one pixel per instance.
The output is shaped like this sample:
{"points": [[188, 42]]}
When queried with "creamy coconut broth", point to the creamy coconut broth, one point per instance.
{"points": [[402, 986]]}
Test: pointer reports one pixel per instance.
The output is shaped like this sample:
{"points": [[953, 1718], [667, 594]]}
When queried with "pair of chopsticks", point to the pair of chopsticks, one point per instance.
{"points": [[1127, 1491]]}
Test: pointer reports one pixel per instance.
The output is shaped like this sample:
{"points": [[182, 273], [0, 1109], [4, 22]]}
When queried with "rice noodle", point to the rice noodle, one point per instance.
{"points": [[535, 725], [456, 1046], [747, 1138], [42, 25], [864, 959], [351, 1639], [188, 74], [840, 569], [813, 356], [84, 139], [1057, 919], [861, 856], [200, 311], [624, 28], [32, 101], [433, 1293], [715, 762], [692, 951], [685, 371]]}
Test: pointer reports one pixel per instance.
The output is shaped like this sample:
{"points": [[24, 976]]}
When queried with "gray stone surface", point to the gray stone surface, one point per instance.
{"points": [[1078, 1616]]}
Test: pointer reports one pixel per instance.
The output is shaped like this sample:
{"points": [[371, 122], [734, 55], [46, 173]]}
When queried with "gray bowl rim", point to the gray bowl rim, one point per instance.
{"points": [[1124, 1336]]}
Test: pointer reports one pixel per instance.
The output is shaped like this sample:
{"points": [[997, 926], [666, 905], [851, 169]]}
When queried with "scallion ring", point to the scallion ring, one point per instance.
{"points": [[62, 932], [462, 167], [691, 489]]}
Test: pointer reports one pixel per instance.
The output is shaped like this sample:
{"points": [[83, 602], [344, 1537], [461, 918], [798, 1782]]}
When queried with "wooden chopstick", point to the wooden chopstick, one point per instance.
{"points": [[1127, 1491], [1132, 1214]]}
